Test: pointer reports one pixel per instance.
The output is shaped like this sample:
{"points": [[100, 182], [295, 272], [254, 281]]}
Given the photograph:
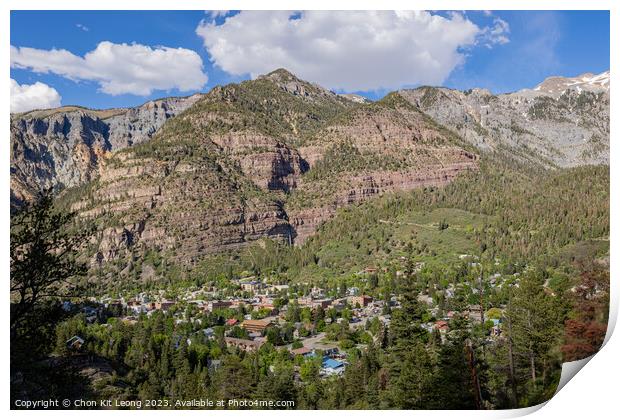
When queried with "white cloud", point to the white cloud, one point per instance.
{"points": [[82, 27], [217, 13], [36, 96], [119, 68], [496, 34], [351, 50]]}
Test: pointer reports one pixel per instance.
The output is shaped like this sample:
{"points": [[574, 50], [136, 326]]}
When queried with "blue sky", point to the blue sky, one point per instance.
{"points": [[542, 43], [365, 53]]}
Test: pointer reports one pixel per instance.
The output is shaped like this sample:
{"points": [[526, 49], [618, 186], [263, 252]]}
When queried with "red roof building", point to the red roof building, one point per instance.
{"points": [[441, 325]]}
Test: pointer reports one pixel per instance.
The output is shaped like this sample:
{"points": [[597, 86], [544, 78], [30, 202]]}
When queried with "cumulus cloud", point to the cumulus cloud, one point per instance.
{"points": [[119, 68], [36, 96], [82, 27], [349, 50]]}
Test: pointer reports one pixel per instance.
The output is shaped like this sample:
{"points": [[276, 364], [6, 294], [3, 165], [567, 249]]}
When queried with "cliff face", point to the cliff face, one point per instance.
{"points": [[275, 157], [66, 147], [139, 124], [371, 150], [183, 207], [270, 163], [560, 123], [306, 220]]}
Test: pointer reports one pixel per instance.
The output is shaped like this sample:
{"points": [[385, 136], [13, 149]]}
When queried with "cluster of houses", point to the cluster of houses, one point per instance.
{"points": [[260, 297], [333, 361], [473, 313], [262, 300]]}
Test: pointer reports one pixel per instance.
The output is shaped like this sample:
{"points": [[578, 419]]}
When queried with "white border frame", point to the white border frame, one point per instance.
{"points": [[593, 393]]}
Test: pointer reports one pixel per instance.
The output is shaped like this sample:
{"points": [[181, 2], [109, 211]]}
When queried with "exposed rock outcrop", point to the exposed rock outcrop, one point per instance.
{"points": [[306, 221], [271, 164], [556, 86], [384, 147], [563, 122], [185, 208], [65, 147]]}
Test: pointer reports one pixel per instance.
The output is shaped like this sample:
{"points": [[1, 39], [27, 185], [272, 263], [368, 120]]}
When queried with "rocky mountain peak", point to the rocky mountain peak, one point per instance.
{"points": [[281, 75], [480, 92], [564, 122], [353, 97], [290, 83], [556, 85]]}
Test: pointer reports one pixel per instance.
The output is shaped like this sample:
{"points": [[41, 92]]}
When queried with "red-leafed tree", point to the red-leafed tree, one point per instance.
{"points": [[585, 331]]}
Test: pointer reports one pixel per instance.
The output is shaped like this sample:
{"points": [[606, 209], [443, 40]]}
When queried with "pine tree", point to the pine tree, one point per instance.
{"points": [[456, 381], [233, 379], [535, 319], [43, 248], [278, 385], [405, 327], [411, 387]]}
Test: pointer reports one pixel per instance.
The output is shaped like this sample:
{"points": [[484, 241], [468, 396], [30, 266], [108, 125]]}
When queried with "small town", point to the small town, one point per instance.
{"points": [[318, 324]]}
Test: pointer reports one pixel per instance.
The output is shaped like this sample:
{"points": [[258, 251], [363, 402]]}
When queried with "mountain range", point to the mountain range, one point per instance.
{"points": [[277, 156]]}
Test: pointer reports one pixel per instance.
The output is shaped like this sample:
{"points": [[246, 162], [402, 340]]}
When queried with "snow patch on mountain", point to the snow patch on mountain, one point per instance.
{"points": [[556, 85]]}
